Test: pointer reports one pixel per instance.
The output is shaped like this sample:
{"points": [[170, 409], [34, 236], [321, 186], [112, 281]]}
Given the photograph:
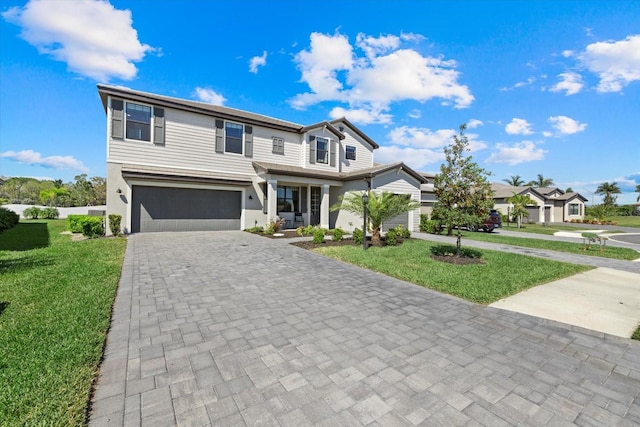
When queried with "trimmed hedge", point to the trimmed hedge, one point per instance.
{"points": [[89, 226], [114, 224], [8, 219]]}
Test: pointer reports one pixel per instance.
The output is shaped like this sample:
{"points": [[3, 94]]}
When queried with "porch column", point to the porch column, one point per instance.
{"points": [[324, 207], [272, 198]]}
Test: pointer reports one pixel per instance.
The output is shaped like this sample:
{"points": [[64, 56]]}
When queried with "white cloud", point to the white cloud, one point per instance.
{"points": [[570, 82], [209, 96], [92, 37], [415, 158], [617, 63], [415, 113], [34, 158], [567, 53], [566, 125], [258, 61], [363, 116], [383, 75], [474, 123], [531, 80], [418, 147], [518, 127], [520, 152]]}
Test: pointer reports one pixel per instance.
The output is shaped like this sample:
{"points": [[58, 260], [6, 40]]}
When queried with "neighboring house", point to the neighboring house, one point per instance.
{"points": [[427, 194], [553, 204], [174, 164]]}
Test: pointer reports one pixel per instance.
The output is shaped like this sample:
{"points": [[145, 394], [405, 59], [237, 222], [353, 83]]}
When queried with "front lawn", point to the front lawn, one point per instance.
{"points": [[569, 247], [503, 273], [55, 307]]}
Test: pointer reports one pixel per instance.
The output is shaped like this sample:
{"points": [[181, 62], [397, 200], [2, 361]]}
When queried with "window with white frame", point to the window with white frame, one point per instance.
{"points": [[278, 145], [233, 138], [350, 152], [322, 150]]}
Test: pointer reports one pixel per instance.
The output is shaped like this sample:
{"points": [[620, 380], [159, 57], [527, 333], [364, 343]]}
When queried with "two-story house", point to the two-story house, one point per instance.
{"points": [[180, 165]]}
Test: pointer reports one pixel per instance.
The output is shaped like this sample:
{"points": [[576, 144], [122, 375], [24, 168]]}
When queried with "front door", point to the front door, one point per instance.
{"points": [[316, 197]]}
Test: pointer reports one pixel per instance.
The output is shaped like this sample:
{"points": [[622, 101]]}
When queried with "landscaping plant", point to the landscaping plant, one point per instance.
{"points": [[32, 213], [114, 224], [338, 234]]}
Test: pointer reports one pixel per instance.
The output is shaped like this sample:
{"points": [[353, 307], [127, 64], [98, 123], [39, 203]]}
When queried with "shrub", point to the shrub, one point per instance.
{"points": [[50, 213], [402, 231], [8, 219], [424, 223], [274, 226], [318, 235], [338, 234], [391, 238], [358, 236], [304, 231], [32, 213], [256, 229], [92, 226], [74, 223], [114, 223]]}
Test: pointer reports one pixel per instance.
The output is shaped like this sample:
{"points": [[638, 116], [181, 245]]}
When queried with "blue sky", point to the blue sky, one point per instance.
{"points": [[546, 87]]}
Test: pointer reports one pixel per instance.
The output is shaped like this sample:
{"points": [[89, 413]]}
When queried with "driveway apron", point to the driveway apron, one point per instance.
{"points": [[229, 328]]}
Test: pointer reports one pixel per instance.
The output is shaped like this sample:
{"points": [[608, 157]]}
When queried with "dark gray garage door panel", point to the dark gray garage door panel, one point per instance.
{"points": [[184, 209], [402, 219]]}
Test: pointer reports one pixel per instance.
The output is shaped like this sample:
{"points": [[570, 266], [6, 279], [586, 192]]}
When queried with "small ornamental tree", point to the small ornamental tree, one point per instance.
{"points": [[608, 190], [520, 203], [462, 188], [381, 207]]}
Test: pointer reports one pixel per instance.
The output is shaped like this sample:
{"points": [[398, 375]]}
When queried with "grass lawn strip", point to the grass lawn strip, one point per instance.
{"points": [[612, 252], [502, 275], [55, 306]]}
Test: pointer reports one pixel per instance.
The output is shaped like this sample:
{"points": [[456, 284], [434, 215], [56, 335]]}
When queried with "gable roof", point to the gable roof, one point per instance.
{"points": [[501, 191], [223, 112], [371, 172]]}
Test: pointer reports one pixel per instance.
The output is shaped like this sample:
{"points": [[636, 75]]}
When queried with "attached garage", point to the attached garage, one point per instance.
{"points": [[184, 209], [402, 219]]}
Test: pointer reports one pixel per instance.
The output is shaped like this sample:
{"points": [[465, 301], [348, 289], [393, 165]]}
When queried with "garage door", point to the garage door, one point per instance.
{"points": [[184, 209], [402, 219]]}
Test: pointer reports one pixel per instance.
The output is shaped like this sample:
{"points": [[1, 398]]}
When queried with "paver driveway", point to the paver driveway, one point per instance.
{"points": [[230, 328]]}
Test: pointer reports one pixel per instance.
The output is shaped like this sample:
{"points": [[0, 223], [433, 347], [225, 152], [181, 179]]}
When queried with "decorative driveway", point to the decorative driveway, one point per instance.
{"points": [[228, 328]]}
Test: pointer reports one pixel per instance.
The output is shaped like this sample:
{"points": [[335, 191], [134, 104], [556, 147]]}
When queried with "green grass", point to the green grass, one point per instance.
{"points": [[636, 334], [547, 229], [569, 247], [503, 274], [55, 307], [626, 221]]}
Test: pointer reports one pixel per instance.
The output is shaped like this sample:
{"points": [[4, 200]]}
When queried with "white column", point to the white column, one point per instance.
{"points": [[272, 196], [324, 207]]}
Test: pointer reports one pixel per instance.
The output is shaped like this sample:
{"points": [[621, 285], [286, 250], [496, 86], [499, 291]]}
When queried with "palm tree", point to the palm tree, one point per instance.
{"points": [[380, 208], [608, 190], [514, 180], [638, 191], [541, 182], [520, 203]]}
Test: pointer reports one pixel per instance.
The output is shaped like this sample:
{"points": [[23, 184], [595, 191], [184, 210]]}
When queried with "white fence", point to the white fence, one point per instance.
{"points": [[80, 210]]}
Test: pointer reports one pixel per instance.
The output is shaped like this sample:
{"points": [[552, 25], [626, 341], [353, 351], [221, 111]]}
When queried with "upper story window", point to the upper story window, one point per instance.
{"points": [[278, 145], [322, 150], [233, 138], [138, 122], [350, 152]]}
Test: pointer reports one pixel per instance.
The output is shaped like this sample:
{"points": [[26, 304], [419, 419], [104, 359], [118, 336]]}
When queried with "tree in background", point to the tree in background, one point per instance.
{"points": [[520, 203], [30, 191], [541, 182], [569, 190], [380, 208], [463, 191], [608, 190], [514, 180], [638, 191]]}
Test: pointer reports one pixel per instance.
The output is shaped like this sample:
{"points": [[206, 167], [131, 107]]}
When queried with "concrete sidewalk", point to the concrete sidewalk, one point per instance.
{"points": [[603, 299]]}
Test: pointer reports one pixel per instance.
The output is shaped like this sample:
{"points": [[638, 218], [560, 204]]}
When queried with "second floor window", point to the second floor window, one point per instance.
{"points": [[350, 152], [278, 146], [233, 138], [322, 150], [138, 122]]}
